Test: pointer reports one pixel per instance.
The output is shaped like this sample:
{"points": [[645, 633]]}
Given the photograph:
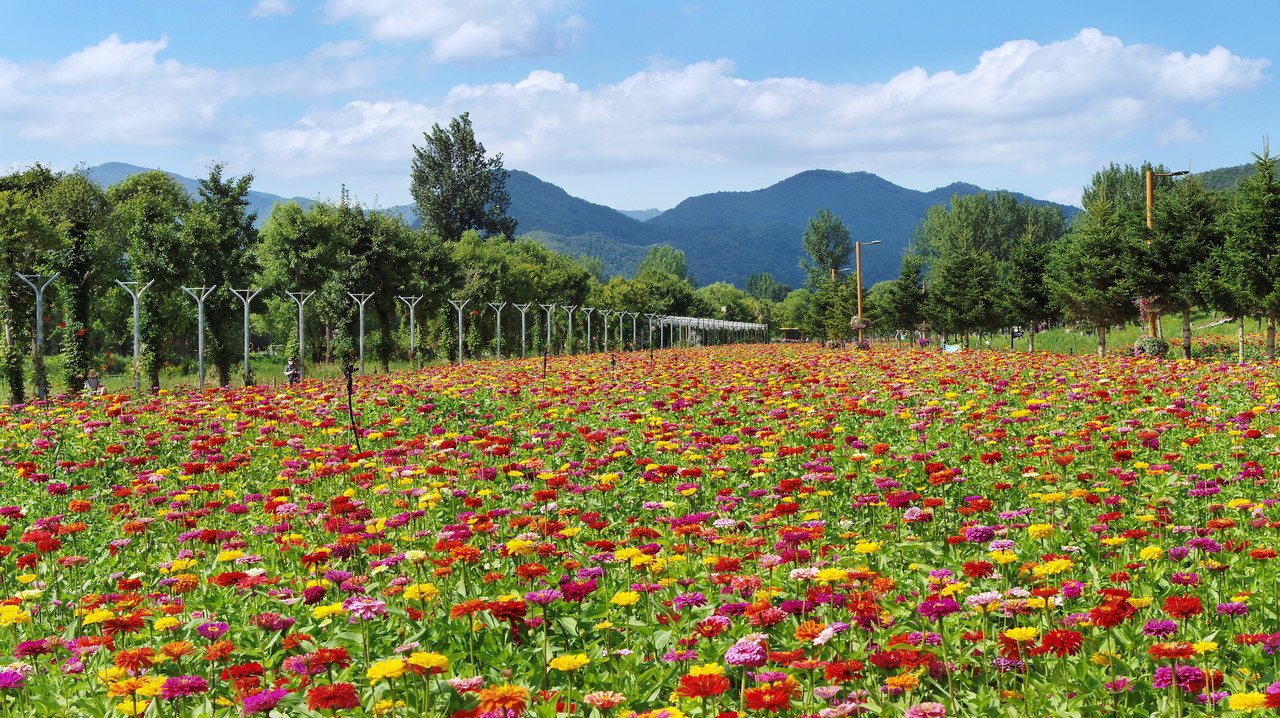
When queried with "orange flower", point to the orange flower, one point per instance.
{"points": [[218, 651], [135, 659], [500, 698], [808, 630], [466, 608], [177, 649]]}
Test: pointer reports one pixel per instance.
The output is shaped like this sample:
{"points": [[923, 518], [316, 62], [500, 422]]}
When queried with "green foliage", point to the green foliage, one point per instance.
{"points": [[826, 241], [900, 304], [26, 236], [763, 285], [1250, 262], [663, 259], [1152, 346], [456, 187], [962, 290], [1091, 274]]}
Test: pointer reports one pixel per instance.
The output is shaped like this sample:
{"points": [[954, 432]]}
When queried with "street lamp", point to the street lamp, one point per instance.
{"points": [[1151, 191], [1152, 317], [857, 257]]}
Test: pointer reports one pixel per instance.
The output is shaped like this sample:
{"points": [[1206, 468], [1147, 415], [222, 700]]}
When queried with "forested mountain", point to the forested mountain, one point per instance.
{"points": [[726, 236], [1226, 177]]}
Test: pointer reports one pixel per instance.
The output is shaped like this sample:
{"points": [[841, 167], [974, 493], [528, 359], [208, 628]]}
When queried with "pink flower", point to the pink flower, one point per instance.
{"points": [[926, 710]]}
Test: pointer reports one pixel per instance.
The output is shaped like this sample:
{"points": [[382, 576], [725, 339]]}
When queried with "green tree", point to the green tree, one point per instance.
{"points": [[962, 290], [1187, 231], [25, 238], [663, 259], [89, 260], [826, 241], [149, 208], [1091, 274], [219, 230], [763, 285], [1252, 227], [455, 187], [306, 250], [900, 306], [1026, 298]]}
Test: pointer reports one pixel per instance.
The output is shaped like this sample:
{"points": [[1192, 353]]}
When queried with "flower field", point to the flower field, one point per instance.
{"points": [[752, 530]]}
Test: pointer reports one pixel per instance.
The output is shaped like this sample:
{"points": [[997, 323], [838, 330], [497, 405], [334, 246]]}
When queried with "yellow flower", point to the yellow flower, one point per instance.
{"points": [[384, 706], [9, 615], [1003, 557], [1022, 633], [868, 546], [707, 669], [832, 575], [1053, 498], [421, 592], [393, 668], [1054, 566], [1140, 601], [165, 623], [229, 556], [603, 625], [519, 547], [133, 707], [1151, 553], [1247, 702], [429, 661], [323, 612], [1039, 531], [571, 662], [1203, 647], [1103, 658], [625, 598]]}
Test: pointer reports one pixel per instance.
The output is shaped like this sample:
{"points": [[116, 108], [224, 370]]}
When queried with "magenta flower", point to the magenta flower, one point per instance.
{"points": [[262, 702], [182, 686]]}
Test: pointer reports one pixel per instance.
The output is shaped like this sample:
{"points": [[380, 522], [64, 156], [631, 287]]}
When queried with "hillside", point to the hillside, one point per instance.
{"points": [[726, 236]]}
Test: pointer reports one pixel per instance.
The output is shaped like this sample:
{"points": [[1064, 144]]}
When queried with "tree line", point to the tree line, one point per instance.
{"points": [[986, 262], [149, 236]]}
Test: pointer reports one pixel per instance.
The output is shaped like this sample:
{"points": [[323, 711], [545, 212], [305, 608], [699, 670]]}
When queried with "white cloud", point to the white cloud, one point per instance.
{"points": [[1026, 105], [126, 93], [465, 29], [271, 8], [1181, 131]]}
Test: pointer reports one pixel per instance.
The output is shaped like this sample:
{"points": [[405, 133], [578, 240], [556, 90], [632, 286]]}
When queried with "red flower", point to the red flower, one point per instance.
{"points": [[1183, 606], [1063, 643], [702, 686], [335, 697], [767, 698]]}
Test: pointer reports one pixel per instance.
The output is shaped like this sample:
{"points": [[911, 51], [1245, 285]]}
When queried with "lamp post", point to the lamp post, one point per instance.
{"points": [[361, 299], [42, 384], [857, 263], [1152, 316], [136, 291], [412, 302]]}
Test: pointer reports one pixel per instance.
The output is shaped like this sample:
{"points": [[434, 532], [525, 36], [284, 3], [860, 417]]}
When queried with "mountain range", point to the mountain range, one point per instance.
{"points": [[726, 236]]}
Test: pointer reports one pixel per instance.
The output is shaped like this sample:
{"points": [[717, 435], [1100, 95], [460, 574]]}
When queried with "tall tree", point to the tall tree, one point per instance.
{"points": [[962, 289], [901, 304], [25, 237], [219, 229], [306, 250], [763, 285], [150, 207], [1026, 297], [90, 258], [1187, 231], [1091, 274], [1252, 228], [826, 241], [664, 259], [456, 187]]}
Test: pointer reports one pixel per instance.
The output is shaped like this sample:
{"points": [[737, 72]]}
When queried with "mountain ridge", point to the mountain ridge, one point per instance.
{"points": [[726, 236]]}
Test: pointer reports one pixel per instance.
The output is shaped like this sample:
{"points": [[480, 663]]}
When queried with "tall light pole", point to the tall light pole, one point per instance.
{"points": [[361, 299], [857, 263], [200, 294], [1152, 316], [412, 303], [246, 296], [300, 298], [136, 291], [42, 384]]}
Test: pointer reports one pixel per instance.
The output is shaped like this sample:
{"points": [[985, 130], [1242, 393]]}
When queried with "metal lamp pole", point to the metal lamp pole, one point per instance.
{"points": [[200, 294], [588, 311], [42, 389], [301, 299], [412, 303], [136, 293], [523, 332], [361, 299], [459, 304], [246, 296], [857, 261], [570, 308], [497, 332]]}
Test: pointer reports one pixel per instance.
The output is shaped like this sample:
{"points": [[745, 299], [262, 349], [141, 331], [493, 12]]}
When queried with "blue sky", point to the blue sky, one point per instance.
{"points": [[640, 104]]}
